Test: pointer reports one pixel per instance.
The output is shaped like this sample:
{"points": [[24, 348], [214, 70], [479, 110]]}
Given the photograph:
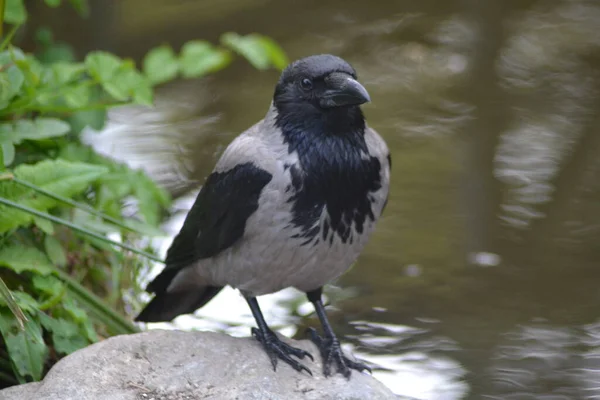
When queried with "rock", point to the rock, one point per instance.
{"points": [[175, 365], [24, 392]]}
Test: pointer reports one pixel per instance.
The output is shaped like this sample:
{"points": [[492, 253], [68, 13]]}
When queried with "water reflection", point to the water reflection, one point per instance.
{"points": [[409, 362], [541, 361], [481, 280]]}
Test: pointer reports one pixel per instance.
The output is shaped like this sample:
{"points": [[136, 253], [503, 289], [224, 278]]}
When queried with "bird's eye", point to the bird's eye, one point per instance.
{"points": [[306, 84]]}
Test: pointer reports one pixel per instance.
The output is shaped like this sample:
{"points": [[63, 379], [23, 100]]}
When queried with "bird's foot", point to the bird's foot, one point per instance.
{"points": [[331, 352], [277, 349]]}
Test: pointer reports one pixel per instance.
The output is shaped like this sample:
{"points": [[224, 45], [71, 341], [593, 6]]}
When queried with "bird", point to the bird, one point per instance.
{"points": [[291, 202]]}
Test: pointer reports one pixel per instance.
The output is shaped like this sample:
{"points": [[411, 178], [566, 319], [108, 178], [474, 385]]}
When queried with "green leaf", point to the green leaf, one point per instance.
{"points": [[89, 331], [32, 70], [144, 228], [93, 223], [95, 119], [58, 176], [7, 132], [44, 225], [160, 65], [11, 79], [61, 73], [21, 258], [16, 54], [47, 284], [150, 198], [199, 58], [38, 129], [77, 96], [102, 65], [14, 12], [261, 51], [128, 83], [77, 313], [8, 153], [55, 251], [80, 316], [27, 349], [116, 185], [276, 54], [53, 3], [65, 334], [25, 301]]}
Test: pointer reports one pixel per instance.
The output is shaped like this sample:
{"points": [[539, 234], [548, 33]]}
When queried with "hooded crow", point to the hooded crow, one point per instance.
{"points": [[290, 203]]}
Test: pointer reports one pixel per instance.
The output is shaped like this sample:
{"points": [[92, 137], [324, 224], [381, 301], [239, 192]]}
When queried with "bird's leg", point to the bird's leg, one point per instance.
{"points": [[328, 344], [275, 347]]}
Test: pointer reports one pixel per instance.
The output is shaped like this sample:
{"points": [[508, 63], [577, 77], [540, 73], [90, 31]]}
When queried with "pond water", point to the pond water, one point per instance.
{"points": [[481, 281]]}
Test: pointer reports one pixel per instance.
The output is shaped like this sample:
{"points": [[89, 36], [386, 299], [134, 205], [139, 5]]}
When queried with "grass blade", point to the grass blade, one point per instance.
{"points": [[77, 228], [12, 304]]}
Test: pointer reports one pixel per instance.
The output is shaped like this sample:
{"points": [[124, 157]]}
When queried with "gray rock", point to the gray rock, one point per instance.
{"points": [[175, 365]]}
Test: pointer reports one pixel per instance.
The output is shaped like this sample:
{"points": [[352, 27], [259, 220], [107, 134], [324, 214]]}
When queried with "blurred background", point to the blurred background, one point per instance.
{"points": [[481, 281]]}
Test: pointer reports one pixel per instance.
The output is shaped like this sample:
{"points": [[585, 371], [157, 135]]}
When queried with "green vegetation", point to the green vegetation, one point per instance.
{"points": [[63, 283]]}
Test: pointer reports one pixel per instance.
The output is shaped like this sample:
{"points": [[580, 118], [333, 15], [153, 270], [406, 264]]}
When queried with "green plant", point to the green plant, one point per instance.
{"points": [[62, 280]]}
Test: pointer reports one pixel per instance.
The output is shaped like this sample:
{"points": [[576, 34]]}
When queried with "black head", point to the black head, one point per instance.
{"points": [[321, 87], [323, 81]]}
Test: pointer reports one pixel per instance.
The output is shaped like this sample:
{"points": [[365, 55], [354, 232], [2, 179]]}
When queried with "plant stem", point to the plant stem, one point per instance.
{"points": [[74, 204], [1, 17], [109, 317], [60, 110], [70, 110], [9, 37], [77, 228]]}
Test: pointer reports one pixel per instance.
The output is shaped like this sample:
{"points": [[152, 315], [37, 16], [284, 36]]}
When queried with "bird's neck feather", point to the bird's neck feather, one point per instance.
{"points": [[335, 169], [304, 122]]}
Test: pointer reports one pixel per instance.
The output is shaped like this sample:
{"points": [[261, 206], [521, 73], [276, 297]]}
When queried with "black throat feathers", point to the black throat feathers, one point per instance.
{"points": [[335, 171]]}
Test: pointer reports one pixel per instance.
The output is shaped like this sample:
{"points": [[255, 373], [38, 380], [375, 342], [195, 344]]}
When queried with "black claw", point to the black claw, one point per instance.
{"points": [[309, 356], [278, 350], [332, 352]]}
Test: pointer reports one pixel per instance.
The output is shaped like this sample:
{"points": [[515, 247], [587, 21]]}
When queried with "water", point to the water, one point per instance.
{"points": [[481, 281]]}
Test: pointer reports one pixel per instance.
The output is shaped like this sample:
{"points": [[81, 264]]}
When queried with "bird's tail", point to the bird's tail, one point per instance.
{"points": [[165, 306]]}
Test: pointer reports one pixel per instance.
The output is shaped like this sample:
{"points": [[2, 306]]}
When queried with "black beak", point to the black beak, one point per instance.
{"points": [[343, 90]]}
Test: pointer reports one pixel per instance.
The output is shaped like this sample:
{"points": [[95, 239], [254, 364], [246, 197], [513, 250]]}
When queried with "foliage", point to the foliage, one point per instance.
{"points": [[62, 280]]}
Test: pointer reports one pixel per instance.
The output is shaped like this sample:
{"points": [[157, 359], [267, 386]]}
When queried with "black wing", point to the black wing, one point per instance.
{"points": [[216, 220]]}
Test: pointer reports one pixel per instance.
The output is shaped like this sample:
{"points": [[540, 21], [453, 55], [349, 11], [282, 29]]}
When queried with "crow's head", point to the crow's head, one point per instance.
{"points": [[323, 81], [319, 88]]}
